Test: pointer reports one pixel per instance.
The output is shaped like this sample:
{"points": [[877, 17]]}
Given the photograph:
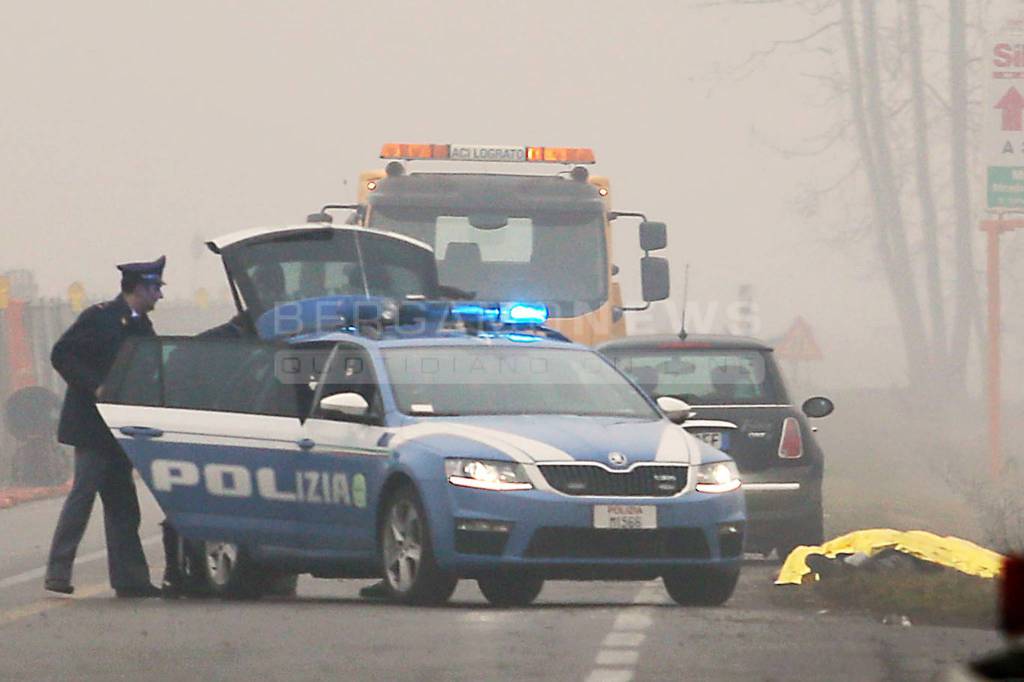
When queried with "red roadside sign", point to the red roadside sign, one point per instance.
{"points": [[798, 343]]}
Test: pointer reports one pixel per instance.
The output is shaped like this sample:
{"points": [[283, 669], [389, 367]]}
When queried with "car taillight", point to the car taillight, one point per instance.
{"points": [[1012, 596], [791, 444]]}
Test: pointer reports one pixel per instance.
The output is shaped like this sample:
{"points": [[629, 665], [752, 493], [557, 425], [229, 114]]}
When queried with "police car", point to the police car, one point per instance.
{"points": [[422, 442], [740, 405]]}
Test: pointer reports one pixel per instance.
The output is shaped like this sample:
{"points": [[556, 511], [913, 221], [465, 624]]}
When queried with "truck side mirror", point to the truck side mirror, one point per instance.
{"points": [[654, 278], [653, 236]]}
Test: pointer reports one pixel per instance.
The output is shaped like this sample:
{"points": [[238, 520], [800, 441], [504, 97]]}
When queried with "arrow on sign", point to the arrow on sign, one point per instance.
{"points": [[1012, 104]]}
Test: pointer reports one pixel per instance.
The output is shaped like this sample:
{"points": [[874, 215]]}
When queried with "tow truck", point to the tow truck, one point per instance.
{"points": [[516, 236]]}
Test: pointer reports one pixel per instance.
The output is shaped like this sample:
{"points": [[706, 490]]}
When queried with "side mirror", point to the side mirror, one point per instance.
{"points": [[818, 407], [677, 411], [653, 236], [654, 278], [347, 404]]}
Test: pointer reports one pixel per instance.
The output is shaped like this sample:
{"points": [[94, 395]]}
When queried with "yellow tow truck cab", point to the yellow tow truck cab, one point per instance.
{"points": [[515, 236]]}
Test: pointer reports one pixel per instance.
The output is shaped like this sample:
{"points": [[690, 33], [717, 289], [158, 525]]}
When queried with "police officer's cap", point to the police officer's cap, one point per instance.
{"points": [[151, 272]]}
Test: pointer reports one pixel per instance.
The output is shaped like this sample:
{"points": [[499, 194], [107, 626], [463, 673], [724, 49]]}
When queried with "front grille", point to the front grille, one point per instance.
{"points": [[657, 480], [604, 543]]}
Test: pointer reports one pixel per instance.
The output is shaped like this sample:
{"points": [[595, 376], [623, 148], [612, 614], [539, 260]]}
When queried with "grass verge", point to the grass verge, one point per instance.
{"points": [[940, 597]]}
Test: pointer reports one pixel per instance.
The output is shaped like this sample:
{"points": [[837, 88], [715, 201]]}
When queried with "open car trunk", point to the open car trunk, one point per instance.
{"points": [[266, 268]]}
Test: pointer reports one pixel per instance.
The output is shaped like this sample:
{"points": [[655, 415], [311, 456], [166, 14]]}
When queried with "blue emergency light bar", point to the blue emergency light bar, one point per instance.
{"points": [[475, 312], [413, 318], [524, 313], [512, 314]]}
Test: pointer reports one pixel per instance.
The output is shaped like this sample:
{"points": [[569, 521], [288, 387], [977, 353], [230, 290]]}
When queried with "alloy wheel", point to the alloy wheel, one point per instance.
{"points": [[221, 562], [403, 546]]}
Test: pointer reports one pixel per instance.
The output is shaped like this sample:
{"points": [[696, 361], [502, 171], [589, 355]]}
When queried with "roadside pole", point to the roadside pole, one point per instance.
{"points": [[1003, 152], [995, 412], [992, 229]]}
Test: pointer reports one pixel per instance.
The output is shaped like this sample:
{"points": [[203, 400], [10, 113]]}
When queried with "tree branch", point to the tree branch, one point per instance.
{"points": [[776, 44]]}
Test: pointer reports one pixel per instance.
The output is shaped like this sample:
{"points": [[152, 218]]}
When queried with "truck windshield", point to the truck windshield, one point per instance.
{"points": [[555, 257], [704, 377], [447, 381]]}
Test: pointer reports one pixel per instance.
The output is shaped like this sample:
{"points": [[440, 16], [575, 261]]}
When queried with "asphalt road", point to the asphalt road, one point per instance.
{"points": [[575, 631]]}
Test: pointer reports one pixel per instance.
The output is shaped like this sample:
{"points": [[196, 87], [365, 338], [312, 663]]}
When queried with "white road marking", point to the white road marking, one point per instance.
{"points": [[623, 639], [616, 661], [37, 573], [648, 594], [607, 675], [617, 657], [633, 620]]}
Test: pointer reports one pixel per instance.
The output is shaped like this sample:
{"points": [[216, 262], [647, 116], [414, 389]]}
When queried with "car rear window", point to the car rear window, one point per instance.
{"points": [[704, 376]]}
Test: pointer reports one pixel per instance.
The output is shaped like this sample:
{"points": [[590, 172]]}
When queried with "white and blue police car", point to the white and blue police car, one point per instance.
{"points": [[423, 443]]}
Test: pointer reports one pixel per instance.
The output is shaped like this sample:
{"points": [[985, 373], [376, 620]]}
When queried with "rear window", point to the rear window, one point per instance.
{"points": [[705, 376]]}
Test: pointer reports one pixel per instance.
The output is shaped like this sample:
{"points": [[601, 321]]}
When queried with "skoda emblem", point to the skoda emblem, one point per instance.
{"points": [[617, 458]]}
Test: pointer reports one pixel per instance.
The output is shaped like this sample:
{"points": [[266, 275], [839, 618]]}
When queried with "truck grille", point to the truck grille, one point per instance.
{"points": [[603, 543], [657, 480]]}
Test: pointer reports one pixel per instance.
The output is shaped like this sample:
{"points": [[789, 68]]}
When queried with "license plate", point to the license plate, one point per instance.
{"points": [[625, 516], [716, 439]]}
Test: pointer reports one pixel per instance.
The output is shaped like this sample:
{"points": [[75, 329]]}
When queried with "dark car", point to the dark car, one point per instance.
{"points": [[740, 405]]}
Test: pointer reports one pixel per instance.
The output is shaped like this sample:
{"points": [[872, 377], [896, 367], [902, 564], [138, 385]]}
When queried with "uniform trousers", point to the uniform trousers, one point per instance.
{"points": [[108, 472]]}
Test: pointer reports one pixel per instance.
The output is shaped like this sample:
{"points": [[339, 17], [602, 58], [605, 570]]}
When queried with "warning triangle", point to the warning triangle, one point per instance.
{"points": [[798, 343]]}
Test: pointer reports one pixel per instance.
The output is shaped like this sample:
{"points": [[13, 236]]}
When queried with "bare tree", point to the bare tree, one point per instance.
{"points": [[896, 116], [929, 213]]}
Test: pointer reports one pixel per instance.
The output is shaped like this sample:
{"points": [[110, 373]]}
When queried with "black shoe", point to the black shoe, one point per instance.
{"points": [[145, 591], [377, 590], [60, 586], [172, 589]]}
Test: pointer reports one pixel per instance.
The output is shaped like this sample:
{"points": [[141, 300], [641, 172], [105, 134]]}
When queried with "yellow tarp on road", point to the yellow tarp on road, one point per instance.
{"points": [[957, 553]]}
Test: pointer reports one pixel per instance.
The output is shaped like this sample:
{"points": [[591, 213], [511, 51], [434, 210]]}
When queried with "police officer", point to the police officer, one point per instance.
{"points": [[83, 357]]}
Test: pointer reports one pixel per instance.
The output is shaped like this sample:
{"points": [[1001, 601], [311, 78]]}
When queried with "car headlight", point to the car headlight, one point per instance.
{"points": [[487, 474], [718, 477]]}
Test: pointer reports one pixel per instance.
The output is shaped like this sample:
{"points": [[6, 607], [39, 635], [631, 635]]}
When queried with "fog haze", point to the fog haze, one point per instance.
{"points": [[133, 130]]}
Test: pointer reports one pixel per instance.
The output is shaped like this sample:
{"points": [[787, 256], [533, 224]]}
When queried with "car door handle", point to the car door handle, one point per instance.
{"points": [[141, 432], [305, 443]]}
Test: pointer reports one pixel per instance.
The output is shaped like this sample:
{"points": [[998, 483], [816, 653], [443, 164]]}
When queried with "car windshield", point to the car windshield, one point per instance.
{"points": [[446, 381], [327, 263], [704, 376], [557, 257]]}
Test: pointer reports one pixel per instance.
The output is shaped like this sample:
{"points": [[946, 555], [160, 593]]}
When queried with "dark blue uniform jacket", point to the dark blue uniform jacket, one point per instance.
{"points": [[83, 357]]}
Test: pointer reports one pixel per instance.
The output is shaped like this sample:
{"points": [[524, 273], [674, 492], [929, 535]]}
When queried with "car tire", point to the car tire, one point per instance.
{"points": [[411, 574], [194, 578], [701, 585], [229, 571], [510, 590]]}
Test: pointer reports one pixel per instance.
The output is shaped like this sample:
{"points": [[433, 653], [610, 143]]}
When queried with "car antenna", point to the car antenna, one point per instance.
{"points": [[686, 287]]}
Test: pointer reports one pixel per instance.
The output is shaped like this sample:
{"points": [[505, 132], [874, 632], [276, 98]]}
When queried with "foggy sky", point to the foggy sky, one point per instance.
{"points": [[134, 129]]}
